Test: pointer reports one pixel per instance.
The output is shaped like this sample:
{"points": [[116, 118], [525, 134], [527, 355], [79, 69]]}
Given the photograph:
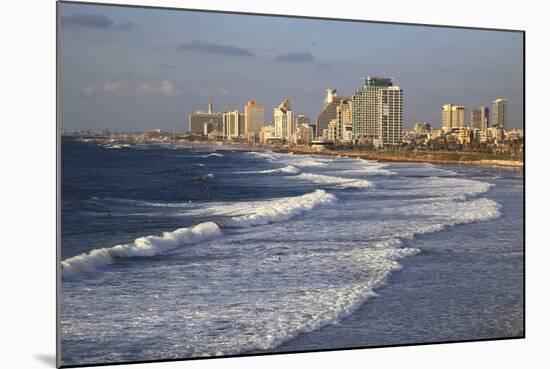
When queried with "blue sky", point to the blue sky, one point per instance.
{"points": [[132, 69]]}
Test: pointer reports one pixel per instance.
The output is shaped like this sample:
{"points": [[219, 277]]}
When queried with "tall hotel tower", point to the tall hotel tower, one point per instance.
{"points": [[500, 114], [452, 116], [378, 111]]}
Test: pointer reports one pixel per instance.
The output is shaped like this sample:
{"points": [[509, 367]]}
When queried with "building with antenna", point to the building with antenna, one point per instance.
{"points": [[201, 121]]}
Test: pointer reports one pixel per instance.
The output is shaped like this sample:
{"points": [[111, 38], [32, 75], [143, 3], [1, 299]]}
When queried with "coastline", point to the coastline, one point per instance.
{"points": [[397, 158], [433, 157]]}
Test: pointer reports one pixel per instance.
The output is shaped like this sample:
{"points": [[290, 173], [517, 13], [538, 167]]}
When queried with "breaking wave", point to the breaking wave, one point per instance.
{"points": [[334, 181], [263, 155], [282, 210], [265, 212], [289, 169], [141, 247]]}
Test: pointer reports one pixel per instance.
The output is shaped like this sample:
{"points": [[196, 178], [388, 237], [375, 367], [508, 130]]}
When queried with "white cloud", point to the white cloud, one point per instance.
{"points": [[113, 87], [166, 88], [88, 90], [145, 88]]}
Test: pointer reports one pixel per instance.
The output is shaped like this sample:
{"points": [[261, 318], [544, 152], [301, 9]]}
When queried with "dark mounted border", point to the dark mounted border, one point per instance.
{"points": [[58, 182]]}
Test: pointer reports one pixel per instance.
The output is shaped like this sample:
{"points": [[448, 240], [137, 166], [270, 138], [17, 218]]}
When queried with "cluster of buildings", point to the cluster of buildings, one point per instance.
{"points": [[249, 125], [372, 116], [485, 127], [230, 125], [374, 112]]}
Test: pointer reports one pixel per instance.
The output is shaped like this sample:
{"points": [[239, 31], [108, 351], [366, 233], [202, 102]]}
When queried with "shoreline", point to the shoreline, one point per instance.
{"points": [[396, 158], [429, 157]]}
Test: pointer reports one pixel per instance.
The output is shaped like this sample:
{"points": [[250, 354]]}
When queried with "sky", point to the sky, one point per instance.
{"points": [[132, 69]]}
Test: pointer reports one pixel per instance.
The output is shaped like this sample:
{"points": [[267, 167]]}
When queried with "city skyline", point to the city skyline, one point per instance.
{"points": [[160, 71]]}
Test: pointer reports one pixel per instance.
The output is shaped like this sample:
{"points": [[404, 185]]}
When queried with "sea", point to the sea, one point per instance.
{"points": [[175, 251]]}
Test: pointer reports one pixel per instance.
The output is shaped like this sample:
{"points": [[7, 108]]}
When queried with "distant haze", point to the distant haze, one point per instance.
{"points": [[131, 69]]}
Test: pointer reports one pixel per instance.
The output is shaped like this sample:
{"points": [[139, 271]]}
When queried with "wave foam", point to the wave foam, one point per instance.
{"points": [[263, 155], [289, 169], [257, 213], [282, 210], [213, 154], [334, 181], [141, 247]]}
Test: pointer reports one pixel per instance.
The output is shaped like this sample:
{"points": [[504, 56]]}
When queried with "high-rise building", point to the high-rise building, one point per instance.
{"points": [[499, 116], [198, 119], [284, 121], [232, 124], [377, 112], [452, 117], [331, 94], [332, 100], [480, 118], [253, 118], [391, 116], [343, 118]]}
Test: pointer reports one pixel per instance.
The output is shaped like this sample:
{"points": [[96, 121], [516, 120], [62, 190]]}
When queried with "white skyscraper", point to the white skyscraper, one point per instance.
{"points": [[284, 121], [378, 111], [231, 124]]}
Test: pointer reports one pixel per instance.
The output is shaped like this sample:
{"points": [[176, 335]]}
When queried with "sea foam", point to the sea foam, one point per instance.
{"points": [[342, 182], [141, 247], [281, 210], [242, 215]]}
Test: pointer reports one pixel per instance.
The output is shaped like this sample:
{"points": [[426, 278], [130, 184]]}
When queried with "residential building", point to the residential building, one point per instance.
{"points": [[463, 134]]}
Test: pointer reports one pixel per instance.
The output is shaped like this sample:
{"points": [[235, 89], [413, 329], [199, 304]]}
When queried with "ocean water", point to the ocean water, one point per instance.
{"points": [[177, 251]]}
